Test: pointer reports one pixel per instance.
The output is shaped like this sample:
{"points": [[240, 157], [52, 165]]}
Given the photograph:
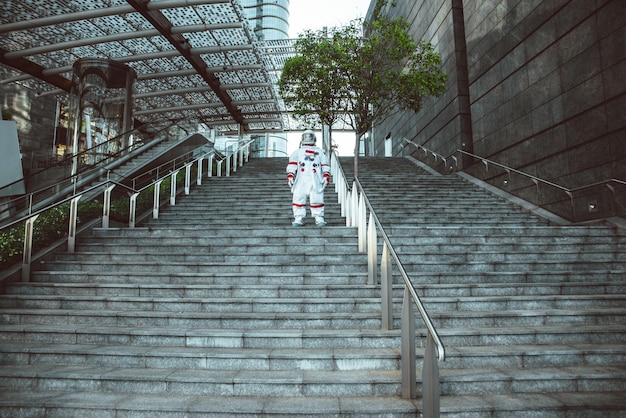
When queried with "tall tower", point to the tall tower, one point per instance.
{"points": [[269, 19]]}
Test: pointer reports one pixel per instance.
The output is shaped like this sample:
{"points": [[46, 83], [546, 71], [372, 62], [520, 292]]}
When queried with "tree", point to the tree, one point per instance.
{"points": [[343, 75]]}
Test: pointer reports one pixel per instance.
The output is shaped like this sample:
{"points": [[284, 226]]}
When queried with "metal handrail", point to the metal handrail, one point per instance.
{"points": [[71, 181], [354, 208], [536, 180], [239, 156], [510, 169]]}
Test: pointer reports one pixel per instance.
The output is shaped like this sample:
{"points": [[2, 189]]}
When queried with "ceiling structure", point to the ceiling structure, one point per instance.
{"points": [[194, 59]]}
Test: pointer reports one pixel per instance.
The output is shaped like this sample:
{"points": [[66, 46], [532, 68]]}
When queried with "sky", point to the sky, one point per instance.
{"points": [[314, 15]]}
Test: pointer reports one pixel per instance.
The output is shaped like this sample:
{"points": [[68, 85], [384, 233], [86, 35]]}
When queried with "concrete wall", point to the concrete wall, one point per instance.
{"points": [[543, 88], [443, 124]]}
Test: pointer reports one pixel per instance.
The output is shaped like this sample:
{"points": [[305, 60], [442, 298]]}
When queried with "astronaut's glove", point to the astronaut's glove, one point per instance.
{"points": [[327, 177], [290, 178]]}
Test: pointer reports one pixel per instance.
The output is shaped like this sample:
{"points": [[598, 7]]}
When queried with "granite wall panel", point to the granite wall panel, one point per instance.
{"points": [[533, 83]]}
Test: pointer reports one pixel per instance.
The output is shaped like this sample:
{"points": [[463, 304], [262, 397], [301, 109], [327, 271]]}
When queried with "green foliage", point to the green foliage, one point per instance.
{"points": [[52, 225], [48, 227], [343, 75], [89, 210], [11, 246]]}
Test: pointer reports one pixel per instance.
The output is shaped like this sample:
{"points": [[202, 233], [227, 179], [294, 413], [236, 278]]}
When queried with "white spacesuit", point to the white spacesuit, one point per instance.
{"points": [[308, 173]]}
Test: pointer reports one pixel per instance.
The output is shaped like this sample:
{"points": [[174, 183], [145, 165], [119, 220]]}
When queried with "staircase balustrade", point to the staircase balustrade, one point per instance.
{"points": [[355, 205], [238, 157], [451, 164]]}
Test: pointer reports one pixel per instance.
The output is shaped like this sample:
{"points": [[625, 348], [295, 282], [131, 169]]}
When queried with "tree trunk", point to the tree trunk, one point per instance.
{"points": [[357, 143]]}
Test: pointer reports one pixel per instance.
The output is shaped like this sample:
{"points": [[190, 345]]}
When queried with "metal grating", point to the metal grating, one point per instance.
{"points": [[237, 88]]}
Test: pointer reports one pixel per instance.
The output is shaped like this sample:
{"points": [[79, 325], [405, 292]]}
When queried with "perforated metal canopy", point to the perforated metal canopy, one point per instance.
{"points": [[194, 59]]}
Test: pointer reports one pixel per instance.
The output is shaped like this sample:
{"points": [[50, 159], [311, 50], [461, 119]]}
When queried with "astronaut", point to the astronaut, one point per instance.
{"points": [[308, 173]]}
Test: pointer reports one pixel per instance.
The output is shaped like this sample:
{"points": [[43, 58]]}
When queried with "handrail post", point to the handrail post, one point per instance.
{"points": [[372, 251], [386, 289], [409, 376], [156, 201], [132, 212], [354, 206], [71, 234], [28, 247], [173, 188], [199, 173], [219, 168], [106, 206], [348, 214], [187, 178], [430, 380], [228, 165], [209, 166], [362, 224], [341, 196]]}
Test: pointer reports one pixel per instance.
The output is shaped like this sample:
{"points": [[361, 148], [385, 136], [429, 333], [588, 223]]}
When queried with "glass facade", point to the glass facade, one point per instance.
{"points": [[269, 19]]}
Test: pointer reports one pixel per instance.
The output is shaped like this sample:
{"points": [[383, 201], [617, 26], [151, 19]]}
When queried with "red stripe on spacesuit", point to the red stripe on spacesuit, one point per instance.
{"points": [[317, 206], [308, 151], [298, 205], [293, 162]]}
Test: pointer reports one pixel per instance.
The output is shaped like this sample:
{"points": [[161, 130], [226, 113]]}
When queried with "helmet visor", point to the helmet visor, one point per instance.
{"points": [[308, 138]]}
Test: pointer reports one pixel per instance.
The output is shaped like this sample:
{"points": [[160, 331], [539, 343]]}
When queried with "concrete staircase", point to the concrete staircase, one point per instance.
{"points": [[533, 315], [221, 308], [218, 308]]}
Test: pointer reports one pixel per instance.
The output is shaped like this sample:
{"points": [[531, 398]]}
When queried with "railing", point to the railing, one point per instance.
{"points": [[354, 206], [236, 158], [590, 206], [58, 176]]}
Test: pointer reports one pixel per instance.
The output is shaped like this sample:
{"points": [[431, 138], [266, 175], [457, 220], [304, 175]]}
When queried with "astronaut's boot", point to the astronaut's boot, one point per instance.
{"points": [[297, 222], [319, 221]]}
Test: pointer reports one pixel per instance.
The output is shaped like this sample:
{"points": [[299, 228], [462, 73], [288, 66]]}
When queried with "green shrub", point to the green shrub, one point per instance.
{"points": [[53, 224]]}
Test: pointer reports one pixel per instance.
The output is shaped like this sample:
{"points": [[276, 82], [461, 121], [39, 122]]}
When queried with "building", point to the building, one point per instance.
{"points": [[269, 19], [535, 86]]}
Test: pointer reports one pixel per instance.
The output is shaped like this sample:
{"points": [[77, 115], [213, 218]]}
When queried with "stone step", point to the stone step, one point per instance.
{"points": [[497, 232], [306, 304], [209, 277], [218, 230], [309, 338], [539, 335], [216, 241], [533, 356], [289, 360], [206, 382], [463, 279], [204, 305], [505, 248], [446, 256], [293, 245], [69, 403], [529, 318], [167, 381], [133, 266], [528, 380], [201, 337], [281, 221], [520, 265], [147, 289], [331, 320], [227, 320], [315, 359]]}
